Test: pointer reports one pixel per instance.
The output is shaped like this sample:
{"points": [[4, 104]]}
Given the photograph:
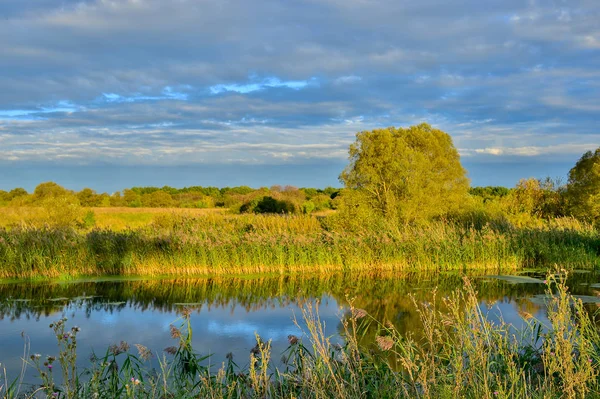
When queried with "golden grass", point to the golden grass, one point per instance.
{"points": [[121, 218], [178, 211], [117, 218]]}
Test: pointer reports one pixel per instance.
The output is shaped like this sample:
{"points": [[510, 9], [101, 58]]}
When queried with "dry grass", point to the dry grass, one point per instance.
{"points": [[121, 218], [177, 211]]}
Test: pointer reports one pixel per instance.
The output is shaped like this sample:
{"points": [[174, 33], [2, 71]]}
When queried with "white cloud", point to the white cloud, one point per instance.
{"points": [[530, 151], [256, 86]]}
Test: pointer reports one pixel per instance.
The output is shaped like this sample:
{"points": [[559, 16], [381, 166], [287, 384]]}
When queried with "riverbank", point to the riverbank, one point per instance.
{"points": [[183, 245]]}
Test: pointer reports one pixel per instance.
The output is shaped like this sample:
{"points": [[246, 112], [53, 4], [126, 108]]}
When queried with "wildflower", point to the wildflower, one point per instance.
{"points": [[50, 367], [545, 281], [496, 393]]}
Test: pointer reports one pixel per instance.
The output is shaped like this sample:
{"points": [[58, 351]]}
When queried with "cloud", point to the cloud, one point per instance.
{"points": [[194, 81], [167, 94], [272, 82], [35, 114], [531, 151]]}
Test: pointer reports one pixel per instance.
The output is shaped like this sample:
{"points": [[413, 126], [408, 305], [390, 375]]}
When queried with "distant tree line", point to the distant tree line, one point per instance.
{"points": [[244, 199]]}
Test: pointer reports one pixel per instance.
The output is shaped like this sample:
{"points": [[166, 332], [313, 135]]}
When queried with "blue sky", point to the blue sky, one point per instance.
{"points": [[116, 93]]}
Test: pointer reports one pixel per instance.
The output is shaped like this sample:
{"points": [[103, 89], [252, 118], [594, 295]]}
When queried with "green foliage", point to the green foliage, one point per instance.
{"points": [[268, 204], [89, 198], [489, 193], [583, 189], [116, 200], [62, 211], [533, 199], [49, 190], [16, 193], [308, 207], [157, 199], [131, 198], [407, 175], [89, 220]]}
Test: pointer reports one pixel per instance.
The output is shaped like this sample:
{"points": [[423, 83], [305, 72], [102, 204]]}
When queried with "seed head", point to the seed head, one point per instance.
{"points": [[144, 352], [359, 313], [171, 350], [175, 333], [385, 343], [292, 339]]}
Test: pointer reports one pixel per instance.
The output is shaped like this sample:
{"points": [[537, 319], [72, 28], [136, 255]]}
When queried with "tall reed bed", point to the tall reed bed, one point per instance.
{"points": [[230, 244], [461, 354]]}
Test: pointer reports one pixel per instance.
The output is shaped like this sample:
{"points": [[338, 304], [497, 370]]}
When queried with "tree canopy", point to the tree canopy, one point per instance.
{"points": [[583, 188], [406, 173]]}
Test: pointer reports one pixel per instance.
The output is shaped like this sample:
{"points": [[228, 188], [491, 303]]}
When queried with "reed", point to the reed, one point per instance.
{"points": [[217, 244]]}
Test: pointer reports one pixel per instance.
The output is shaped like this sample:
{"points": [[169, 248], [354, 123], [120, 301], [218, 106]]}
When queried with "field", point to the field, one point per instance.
{"points": [[121, 218], [114, 218]]}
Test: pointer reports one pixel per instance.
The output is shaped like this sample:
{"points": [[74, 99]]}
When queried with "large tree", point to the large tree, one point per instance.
{"points": [[583, 189], [406, 173]]}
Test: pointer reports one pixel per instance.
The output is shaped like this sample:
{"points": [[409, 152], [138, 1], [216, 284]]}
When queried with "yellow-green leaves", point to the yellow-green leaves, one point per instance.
{"points": [[407, 174]]}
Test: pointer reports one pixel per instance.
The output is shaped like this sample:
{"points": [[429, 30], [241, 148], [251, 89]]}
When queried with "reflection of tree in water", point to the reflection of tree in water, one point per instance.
{"points": [[390, 299], [386, 298]]}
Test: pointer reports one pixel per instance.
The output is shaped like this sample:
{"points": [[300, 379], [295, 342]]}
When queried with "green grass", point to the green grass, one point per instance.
{"points": [[461, 354], [254, 244]]}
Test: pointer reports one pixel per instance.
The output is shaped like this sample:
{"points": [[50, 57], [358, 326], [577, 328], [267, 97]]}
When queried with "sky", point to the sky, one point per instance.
{"points": [[111, 94]]}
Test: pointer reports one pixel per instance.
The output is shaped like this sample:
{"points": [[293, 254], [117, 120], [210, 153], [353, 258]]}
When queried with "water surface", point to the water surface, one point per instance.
{"points": [[228, 312]]}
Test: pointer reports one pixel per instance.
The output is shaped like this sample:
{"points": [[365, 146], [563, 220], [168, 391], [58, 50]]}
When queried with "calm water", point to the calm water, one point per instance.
{"points": [[228, 312]]}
